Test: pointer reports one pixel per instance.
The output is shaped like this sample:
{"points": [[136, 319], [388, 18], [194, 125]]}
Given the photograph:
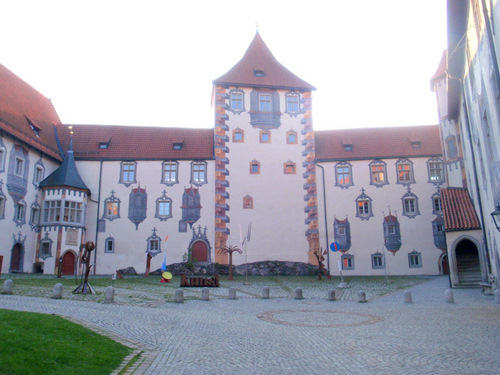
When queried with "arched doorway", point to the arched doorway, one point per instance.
{"points": [[68, 263], [444, 267], [468, 266], [15, 259], [200, 251]]}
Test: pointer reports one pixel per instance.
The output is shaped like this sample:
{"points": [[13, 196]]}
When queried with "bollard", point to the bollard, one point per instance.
{"points": [[205, 294], [232, 293], [331, 295], [448, 295], [497, 296], [7, 287], [109, 294], [361, 297], [298, 294], [179, 296], [407, 295], [265, 292], [58, 291]]}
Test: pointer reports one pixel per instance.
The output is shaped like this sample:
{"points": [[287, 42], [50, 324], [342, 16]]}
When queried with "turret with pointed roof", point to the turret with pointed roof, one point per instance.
{"points": [[259, 68]]}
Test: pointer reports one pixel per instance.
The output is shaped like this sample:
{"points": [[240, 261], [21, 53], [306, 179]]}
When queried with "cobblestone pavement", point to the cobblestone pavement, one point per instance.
{"points": [[308, 336]]}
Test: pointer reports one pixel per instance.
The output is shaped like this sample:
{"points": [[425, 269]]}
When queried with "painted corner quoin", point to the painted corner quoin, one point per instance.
{"points": [[311, 196], [221, 172]]}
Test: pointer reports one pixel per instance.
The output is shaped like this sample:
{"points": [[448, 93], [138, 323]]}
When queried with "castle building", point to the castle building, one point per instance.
{"points": [[261, 173]]}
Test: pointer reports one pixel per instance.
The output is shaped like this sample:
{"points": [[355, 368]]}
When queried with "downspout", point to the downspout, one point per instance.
{"points": [[476, 179], [324, 208], [97, 218]]}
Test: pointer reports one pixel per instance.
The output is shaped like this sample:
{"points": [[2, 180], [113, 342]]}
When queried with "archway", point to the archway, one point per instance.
{"points": [[444, 267], [68, 263], [16, 258], [200, 251], [468, 266]]}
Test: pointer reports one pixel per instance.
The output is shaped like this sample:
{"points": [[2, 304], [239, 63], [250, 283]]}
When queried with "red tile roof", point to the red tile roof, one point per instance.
{"points": [[458, 210], [259, 57], [21, 104], [138, 142], [441, 70], [378, 143]]}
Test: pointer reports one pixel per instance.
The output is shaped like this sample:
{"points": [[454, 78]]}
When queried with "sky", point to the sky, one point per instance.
{"points": [[152, 63]]}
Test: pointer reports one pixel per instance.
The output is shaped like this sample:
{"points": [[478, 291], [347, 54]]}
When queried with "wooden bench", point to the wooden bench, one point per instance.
{"points": [[199, 281]]}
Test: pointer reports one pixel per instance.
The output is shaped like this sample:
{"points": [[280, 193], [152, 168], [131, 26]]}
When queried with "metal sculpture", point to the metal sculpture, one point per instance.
{"points": [[85, 286]]}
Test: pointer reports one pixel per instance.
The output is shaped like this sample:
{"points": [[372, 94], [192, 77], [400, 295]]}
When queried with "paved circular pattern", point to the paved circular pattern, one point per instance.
{"points": [[319, 318]]}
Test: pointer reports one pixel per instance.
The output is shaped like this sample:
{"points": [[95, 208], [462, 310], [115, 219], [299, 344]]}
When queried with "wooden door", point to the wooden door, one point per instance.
{"points": [[15, 260], [200, 252], [68, 263]]}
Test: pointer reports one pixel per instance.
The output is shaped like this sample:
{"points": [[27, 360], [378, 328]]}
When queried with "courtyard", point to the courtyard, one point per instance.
{"points": [[282, 335]]}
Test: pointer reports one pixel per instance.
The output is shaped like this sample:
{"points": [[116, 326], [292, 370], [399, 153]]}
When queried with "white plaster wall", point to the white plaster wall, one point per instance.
{"points": [[131, 243], [278, 217], [367, 236]]}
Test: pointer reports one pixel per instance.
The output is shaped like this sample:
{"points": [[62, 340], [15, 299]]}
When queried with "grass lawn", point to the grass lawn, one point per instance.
{"points": [[47, 344]]}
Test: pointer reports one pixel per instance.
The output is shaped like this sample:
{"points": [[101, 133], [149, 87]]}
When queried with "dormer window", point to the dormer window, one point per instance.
{"points": [[258, 73], [103, 145], [416, 144], [178, 145], [348, 147], [33, 127], [347, 143]]}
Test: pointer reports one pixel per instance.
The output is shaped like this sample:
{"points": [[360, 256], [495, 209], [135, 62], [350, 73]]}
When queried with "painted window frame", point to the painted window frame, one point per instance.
{"points": [[163, 199], [289, 135], [262, 134], [110, 202], [171, 172], [20, 208], [292, 103], [265, 102], [380, 259], [415, 259], [376, 174], [199, 173], [109, 245], [247, 202], [38, 173], [434, 178], [289, 167], [367, 206], [238, 133], [3, 202], [3, 155], [153, 244], [409, 176], [128, 176], [254, 167], [19, 166], [343, 165], [46, 240], [236, 101], [35, 216], [406, 199], [347, 261], [437, 204]]}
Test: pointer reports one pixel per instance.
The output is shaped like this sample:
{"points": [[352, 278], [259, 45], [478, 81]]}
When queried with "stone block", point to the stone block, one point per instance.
{"points": [[362, 297], [205, 294], [408, 298], [109, 294], [331, 295], [265, 292], [448, 295], [179, 296], [232, 293], [7, 286], [58, 291], [298, 294]]}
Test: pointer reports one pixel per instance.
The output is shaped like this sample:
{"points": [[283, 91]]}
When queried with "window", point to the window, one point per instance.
{"points": [[177, 146], [238, 135], [35, 215], [103, 145], [111, 207], [289, 168], [2, 157], [342, 231], [247, 202], [435, 169], [378, 173], [391, 229], [109, 245], [364, 206], [436, 204], [265, 136], [378, 261], [415, 259], [264, 102], [2, 206], [128, 173], [291, 137], [45, 247], [343, 173], [19, 213], [236, 103], [73, 212], [292, 103], [38, 176], [198, 173], [254, 167], [410, 205], [347, 262], [163, 207], [51, 211], [451, 145], [258, 73], [153, 244], [19, 167], [170, 173], [405, 172]]}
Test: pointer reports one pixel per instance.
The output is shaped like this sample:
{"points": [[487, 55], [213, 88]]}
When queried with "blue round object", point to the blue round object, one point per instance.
{"points": [[334, 246]]}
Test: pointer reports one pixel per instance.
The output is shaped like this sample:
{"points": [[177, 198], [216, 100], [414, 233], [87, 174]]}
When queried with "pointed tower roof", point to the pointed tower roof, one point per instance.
{"points": [[259, 68], [66, 175]]}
